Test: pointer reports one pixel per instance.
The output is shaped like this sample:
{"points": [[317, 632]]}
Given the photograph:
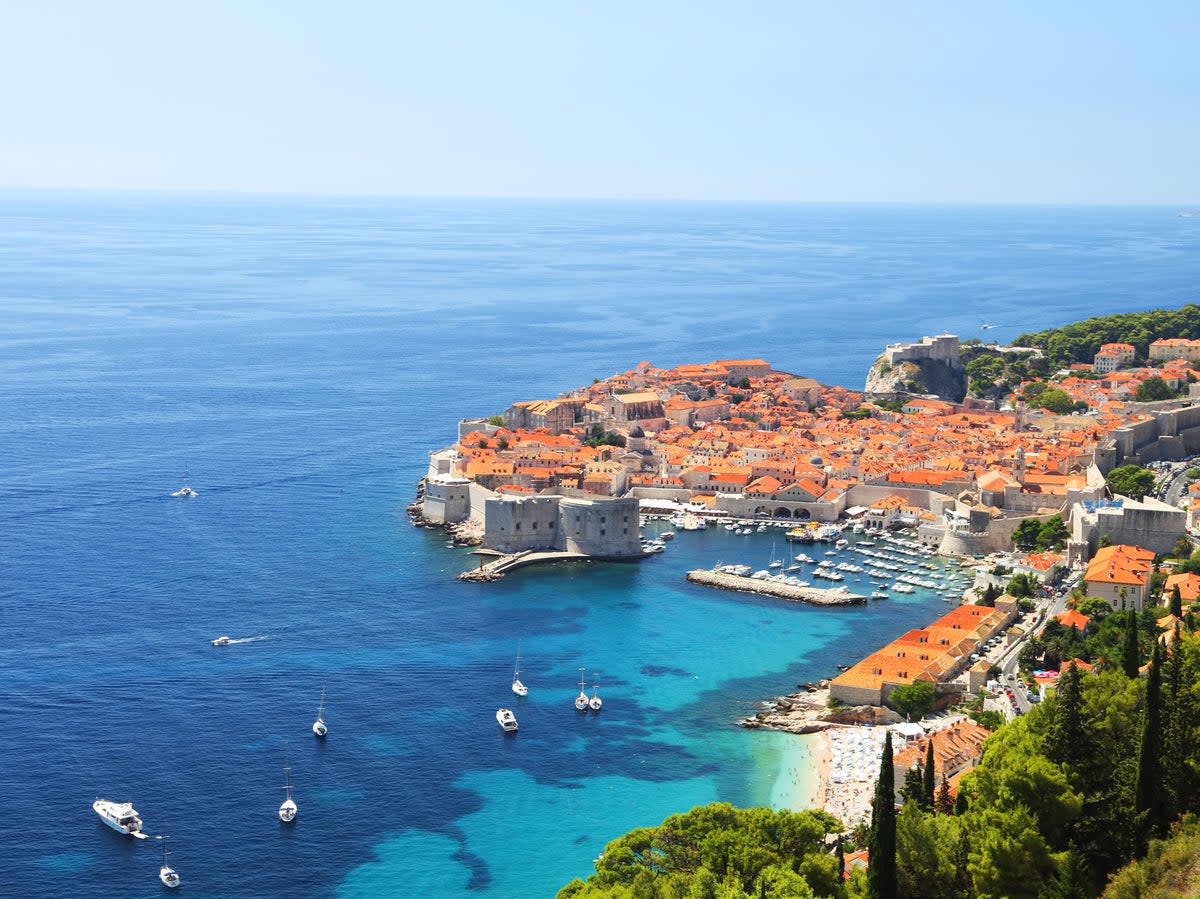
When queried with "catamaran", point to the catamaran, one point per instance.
{"points": [[319, 727]]}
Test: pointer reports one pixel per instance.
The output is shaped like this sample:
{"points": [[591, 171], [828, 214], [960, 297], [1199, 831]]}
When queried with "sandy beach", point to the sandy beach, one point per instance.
{"points": [[850, 771], [796, 780], [834, 770]]}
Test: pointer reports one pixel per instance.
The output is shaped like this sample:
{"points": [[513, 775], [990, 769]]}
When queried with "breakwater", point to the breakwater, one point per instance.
{"points": [[814, 595]]}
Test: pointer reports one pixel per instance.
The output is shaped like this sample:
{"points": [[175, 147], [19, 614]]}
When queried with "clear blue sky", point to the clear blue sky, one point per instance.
{"points": [[1051, 102]]}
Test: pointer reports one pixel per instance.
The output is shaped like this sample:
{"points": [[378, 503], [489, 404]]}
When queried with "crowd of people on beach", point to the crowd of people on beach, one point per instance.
{"points": [[850, 772]]}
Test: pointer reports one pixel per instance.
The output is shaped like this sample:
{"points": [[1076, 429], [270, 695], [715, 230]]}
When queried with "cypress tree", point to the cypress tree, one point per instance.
{"points": [[914, 786], [1178, 717], [1176, 602], [1148, 796], [1131, 658], [928, 784], [841, 858], [944, 804], [881, 862], [960, 803]]}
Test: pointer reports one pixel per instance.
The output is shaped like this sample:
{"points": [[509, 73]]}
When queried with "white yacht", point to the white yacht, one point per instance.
{"points": [[223, 640], [517, 687], [319, 727], [581, 701], [120, 816], [288, 809], [168, 875], [507, 720], [594, 703]]}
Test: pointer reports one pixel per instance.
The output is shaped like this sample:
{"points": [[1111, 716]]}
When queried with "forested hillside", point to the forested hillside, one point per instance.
{"points": [[1086, 783], [1078, 342]]}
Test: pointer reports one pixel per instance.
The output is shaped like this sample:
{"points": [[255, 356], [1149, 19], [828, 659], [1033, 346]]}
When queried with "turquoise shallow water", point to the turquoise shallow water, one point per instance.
{"points": [[299, 358]]}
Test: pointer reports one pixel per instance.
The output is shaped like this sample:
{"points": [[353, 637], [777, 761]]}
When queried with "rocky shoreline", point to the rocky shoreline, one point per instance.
{"points": [[808, 712], [464, 533]]}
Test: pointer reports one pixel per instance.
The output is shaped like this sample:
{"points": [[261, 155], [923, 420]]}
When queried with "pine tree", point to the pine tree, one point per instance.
{"points": [[1176, 602], [944, 803], [1148, 797], [927, 792], [1131, 658], [881, 862], [1068, 739]]}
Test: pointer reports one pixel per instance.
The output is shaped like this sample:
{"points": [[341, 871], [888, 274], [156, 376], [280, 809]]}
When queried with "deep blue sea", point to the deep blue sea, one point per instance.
{"points": [[298, 358]]}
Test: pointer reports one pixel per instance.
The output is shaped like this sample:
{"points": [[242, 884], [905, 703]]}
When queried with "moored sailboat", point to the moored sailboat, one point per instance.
{"points": [[320, 728], [581, 701], [168, 875], [594, 703], [288, 809], [517, 687]]}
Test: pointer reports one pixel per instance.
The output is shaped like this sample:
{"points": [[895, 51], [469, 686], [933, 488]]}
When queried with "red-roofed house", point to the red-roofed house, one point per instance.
{"points": [[1072, 618], [1120, 574]]}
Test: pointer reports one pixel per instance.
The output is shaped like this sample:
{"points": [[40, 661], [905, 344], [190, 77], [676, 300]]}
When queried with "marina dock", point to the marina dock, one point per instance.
{"points": [[814, 595]]}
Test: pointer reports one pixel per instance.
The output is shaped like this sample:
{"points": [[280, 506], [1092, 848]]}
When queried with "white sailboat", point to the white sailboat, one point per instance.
{"points": [[168, 875], [288, 810], [581, 701], [319, 727], [517, 687], [594, 703], [185, 490]]}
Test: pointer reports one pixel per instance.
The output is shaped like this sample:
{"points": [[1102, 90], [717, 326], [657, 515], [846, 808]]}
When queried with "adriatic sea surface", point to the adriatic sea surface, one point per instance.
{"points": [[298, 358]]}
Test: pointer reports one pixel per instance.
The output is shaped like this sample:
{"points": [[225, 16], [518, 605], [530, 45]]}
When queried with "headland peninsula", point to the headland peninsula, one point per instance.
{"points": [[956, 450]]}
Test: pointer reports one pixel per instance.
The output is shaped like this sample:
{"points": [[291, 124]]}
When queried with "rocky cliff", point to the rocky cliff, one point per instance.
{"points": [[944, 378], [933, 365]]}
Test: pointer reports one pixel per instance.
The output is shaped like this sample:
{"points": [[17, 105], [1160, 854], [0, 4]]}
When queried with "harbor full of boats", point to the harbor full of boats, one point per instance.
{"points": [[859, 564]]}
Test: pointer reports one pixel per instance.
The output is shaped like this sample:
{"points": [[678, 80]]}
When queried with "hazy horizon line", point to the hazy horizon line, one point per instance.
{"points": [[537, 198]]}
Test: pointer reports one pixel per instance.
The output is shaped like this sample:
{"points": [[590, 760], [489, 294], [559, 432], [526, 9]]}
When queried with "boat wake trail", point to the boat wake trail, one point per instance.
{"points": [[249, 639]]}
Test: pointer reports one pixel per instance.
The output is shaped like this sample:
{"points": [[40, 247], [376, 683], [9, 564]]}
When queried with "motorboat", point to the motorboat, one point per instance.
{"points": [[120, 816], [879, 594], [581, 701], [594, 703], [288, 809], [507, 720], [517, 687], [185, 491], [319, 727], [168, 875], [223, 640]]}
